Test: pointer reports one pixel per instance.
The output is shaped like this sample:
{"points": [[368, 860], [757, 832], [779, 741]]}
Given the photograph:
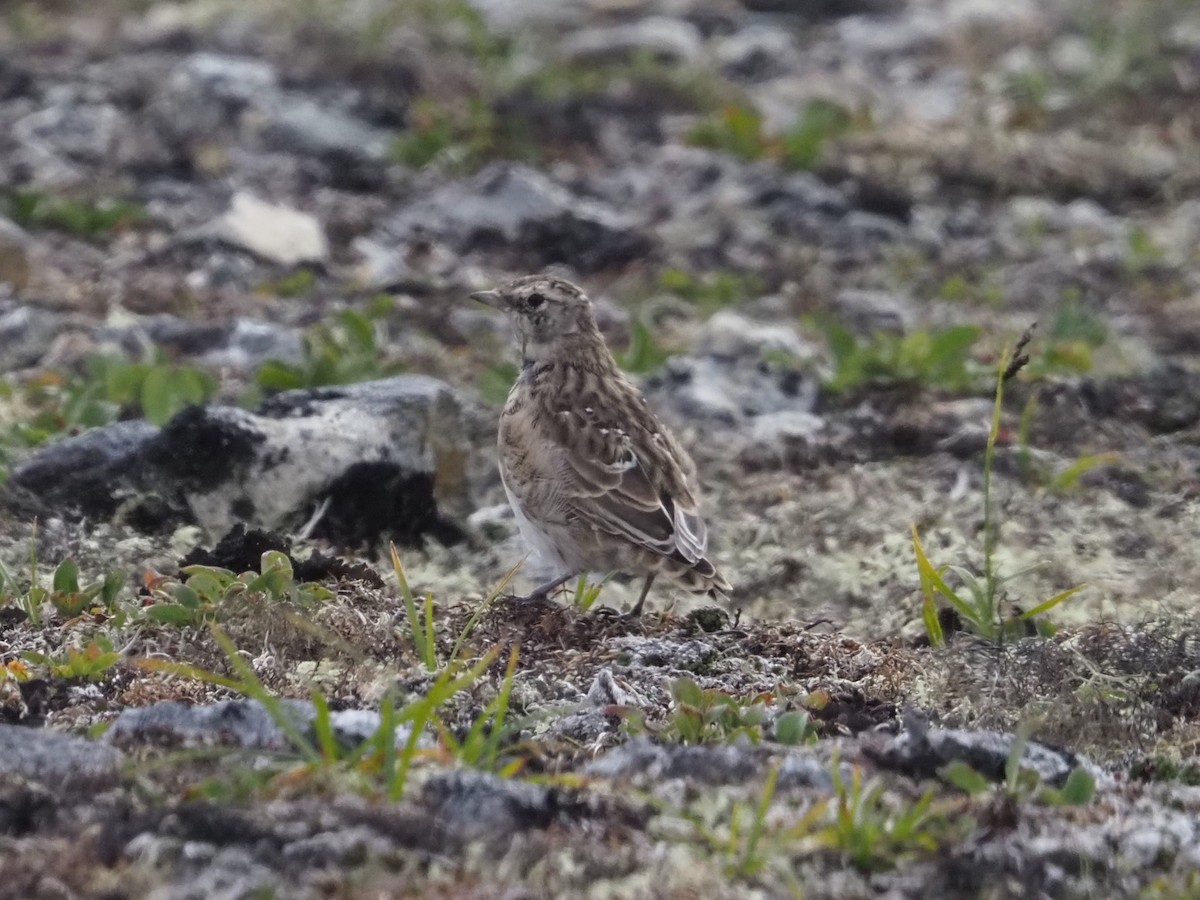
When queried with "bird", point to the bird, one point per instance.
{"points": [[596, 482]]}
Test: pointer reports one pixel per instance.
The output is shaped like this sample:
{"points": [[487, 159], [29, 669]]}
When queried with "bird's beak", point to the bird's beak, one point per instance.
{"points": [[490, 298]]}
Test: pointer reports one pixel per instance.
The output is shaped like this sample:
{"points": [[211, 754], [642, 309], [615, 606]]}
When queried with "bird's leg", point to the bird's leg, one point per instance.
{"points": [[542, 591], [637, 607]]}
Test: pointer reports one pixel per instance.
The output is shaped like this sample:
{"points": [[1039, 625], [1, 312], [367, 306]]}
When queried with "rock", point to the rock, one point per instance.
{"points": [[663, 653], [303, 127], [237, 723], [516, 205], [758, 52], [26, 334], [243, 344], [921, 752], [81, 132], [733, 336], [664, 39], [727, 392], [646, 763], [87, 472], [277, 234], [60, 762], [607, 690], [869, 312], [228, 79], [479, 805], [381, 458]]}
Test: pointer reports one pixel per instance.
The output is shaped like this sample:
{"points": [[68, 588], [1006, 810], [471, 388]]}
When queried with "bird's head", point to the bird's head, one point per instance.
{"points": [[552, 317]]}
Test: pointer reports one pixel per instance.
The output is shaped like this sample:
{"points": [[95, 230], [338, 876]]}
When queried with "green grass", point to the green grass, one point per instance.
{"points": [[936, 359], [346, 350], [85, 218], [738, 129], [978, 600]]}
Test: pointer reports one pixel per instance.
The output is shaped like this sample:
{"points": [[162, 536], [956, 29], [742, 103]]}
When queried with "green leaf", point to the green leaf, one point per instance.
{"points": [[961, 775], [687, 693], [66, 577], [1079, 788], [1047, 605], [793, 728], [171, 614], [275, 375], [158, 398], [113, 583], [277, 561], [1069, 477], [184, 595]]}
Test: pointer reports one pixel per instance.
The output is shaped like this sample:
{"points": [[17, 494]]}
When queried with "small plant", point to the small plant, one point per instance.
{"points": [[644, 354], [480, 748], [70, 598], [294, 284], [738, 129], [586, 594], [874, 833], [497, 381], [346, 351], [82, 218], [937, 359], [1022, 783], [89, 662], [711, 290], [804, 143], [795, 728], [384, 758], [978, 600], [421, 626], [703, 716], [196, 600]]}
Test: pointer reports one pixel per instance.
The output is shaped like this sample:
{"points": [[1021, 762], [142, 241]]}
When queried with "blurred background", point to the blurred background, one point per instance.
{"points": [[810, 229]]}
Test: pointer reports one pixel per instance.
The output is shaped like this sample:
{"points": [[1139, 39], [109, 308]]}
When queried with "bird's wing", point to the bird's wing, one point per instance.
{"points": [[632, 482]]}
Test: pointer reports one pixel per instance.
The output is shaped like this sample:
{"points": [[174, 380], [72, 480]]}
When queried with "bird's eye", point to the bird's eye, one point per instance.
{"points": [[535, 300]]}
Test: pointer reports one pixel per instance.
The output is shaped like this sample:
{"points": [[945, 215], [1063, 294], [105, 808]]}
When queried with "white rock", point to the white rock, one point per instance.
{"points": [[278, 234]]}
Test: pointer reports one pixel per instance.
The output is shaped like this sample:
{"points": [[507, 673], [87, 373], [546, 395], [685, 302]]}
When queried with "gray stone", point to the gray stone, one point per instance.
{"points": [[758, 51], [868, 312], [542, 221], [27, 333], [82, 132], [306, 128], [732, 335], [226, 78], [665, 39], [382, 457], [58, 761], [478, 805], [921, 752], [277, 234], [245, 724]]}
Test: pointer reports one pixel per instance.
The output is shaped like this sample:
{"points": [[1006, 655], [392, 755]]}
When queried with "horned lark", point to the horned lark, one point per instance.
{"points": [[596, 482]]}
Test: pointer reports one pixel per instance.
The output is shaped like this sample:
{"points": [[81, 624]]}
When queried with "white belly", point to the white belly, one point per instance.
{"points": [[547, 560]]}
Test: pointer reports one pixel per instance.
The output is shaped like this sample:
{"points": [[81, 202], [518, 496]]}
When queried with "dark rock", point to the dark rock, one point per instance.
{"points": [[381, 458], [87, 473], [921, 753], [58, 761], [26, 332], [237, 723], [514, 207], [645, 762], [478, 805], [241, 551]]}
